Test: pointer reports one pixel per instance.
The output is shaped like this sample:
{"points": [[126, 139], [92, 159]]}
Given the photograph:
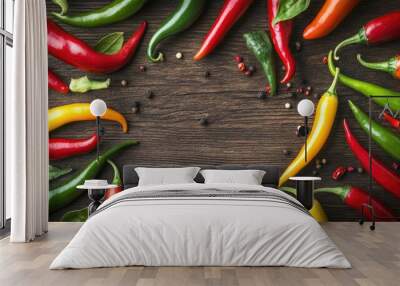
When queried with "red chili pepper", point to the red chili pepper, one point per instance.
{"points": [[389, 180], [356, 197], [60, 148], [338, 173], [116, 181], [393, 121], [74, 51], [56, 83], [280, 34], [231, 11], [379, 30]]}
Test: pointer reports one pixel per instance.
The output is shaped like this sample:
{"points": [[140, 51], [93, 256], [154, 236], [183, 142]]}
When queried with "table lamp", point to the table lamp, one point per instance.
{"points": [[98, 108], [305, 108]]}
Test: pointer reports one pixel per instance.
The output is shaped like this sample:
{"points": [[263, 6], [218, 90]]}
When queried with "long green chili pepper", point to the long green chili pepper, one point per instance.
{"points": [[113, 12], [389, 141], [182, 18], [76, 216], [366, 88], [260, 45], [66, 193]]}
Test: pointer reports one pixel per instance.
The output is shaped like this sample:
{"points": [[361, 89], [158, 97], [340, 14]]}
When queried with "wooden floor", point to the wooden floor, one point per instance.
{"points": [[375, 257]]}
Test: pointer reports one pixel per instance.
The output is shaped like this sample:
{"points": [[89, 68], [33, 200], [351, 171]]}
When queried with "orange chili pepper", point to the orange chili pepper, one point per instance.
{"points": [[328, 18]]}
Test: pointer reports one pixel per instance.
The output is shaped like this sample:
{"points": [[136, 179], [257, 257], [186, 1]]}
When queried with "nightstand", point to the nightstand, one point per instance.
{"points": [[95, 194], [305, 190]]}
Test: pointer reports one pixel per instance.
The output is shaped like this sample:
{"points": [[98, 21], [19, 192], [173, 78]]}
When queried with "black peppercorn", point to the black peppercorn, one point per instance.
{"points": [[298, 46], [252, 69], [262, 94], [149, 94], [136, 107], [207, 74], [142, 68], [203, 121], [285, 152]]}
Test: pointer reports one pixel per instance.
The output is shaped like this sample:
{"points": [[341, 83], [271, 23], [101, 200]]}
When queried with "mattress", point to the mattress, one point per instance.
{"points": [[201, 225]]}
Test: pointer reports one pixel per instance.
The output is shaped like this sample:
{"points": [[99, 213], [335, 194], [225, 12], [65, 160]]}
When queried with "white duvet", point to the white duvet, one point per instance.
{"points": [[200, 231]]}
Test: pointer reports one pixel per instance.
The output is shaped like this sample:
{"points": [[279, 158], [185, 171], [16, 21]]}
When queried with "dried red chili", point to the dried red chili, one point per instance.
{"points": [[338, 173]]}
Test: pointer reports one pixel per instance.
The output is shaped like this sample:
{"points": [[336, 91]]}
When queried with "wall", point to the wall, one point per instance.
{"points": [[243, 129]]}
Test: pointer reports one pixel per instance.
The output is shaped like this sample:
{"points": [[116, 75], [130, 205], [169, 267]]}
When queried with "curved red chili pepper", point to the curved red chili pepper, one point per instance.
{"points": [[230, 12], [392, 121], [389, 180], [280, 34], [379, 30], [356, 197], [60, 148], [55, 83], [76, 52]]}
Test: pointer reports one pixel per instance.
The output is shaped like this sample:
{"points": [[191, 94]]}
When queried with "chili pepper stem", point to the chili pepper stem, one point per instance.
{"points": [[339, 191], [84, 84], [332, 88], [360, 37], [117, 177], [159, 58], [388, 66]]}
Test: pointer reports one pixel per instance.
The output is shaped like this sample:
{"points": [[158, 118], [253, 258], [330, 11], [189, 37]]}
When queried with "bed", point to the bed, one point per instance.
{"points": [[197, 224]]}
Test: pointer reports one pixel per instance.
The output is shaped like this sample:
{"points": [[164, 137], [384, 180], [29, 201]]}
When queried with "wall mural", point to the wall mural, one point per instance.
{"points": [[217, 82]]}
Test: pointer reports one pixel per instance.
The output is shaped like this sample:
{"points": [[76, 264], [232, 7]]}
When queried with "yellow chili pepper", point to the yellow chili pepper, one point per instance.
{"points": [[64, 114], [322, 125], [317, 211]]}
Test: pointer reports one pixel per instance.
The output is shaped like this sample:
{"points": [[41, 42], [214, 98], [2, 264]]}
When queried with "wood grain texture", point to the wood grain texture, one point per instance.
{"points": [[375, 258], [243, 129]]}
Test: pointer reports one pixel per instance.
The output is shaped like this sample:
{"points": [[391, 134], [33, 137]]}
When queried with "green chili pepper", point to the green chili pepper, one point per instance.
{"points": [[260, 45], [366, 88], [55, 172], [113, 12], [389, 141], [117, 181], [66, 193], [76, 216], [182, 18], [84, 84]]}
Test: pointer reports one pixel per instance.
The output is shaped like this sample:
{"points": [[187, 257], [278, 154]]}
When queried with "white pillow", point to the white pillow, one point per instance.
{"points": [[247, 177], [166, 176]]}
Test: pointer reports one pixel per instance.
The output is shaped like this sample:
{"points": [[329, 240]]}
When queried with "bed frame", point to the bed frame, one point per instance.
{"points": [[271, 178]]}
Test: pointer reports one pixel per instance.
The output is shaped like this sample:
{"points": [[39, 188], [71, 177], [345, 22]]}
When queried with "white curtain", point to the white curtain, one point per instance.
{"points": [[26, 124]]}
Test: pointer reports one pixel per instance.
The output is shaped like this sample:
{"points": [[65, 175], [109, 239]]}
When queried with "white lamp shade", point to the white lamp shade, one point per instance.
{"points": [[305, 108], [98, 107]]}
